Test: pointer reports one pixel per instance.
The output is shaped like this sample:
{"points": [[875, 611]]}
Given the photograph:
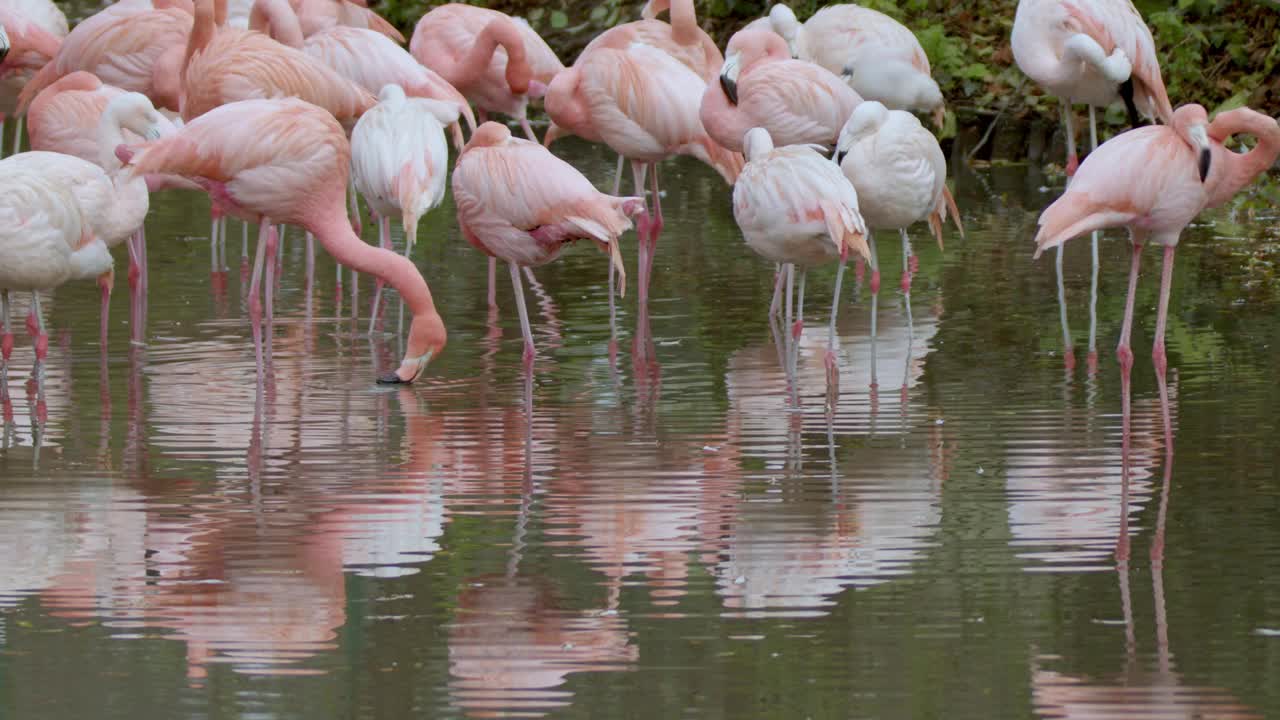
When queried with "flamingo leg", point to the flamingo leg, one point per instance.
{"points": [[17, 135], [4, 125], [1166, 283], [1068, 349], [493, 282], [244, 243], [528, 129], [1093, 256], [775, 306], [906, 281], [518, 286], [213, 247], [41, 337], [384, 241], [617, 176], [311, 269], [797, 330], [655, 228], [642, 232], [6, 344], [255, 304], [270, 288], [1124, 353], [1073, 161], [788, 316], [875, 303], [833, 369], [410, 240]]}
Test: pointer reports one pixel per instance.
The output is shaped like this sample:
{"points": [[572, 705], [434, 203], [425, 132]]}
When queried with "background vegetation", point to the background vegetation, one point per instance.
{"points": [[1219, 53]]}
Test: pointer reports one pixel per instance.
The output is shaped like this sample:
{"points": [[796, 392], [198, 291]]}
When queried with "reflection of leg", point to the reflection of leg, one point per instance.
{"points": [[789, 270], [1068, 351], [833, 370], [796, 331], [1166, 283], [255, 304], [6, 344], [875, 302], [518, 288]]}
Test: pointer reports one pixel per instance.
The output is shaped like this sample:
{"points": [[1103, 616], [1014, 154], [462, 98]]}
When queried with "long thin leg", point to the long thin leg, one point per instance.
{"points": [[270, 288], [410, 240], [255, 303], [1093, 255], [6, 344], [311, 269], [1124, 353], [1166, 283], [42, 341], [528, 129], [1068, 349], [775, 306], [518, 287], [1073, 161], [833, 368], [796, 331], [875, 303], [638, 170], [617, 176], [384, 241], [146, 277], [17, 135], [244, 243], [213, 247], [4, 125], [493, 281], [787, 319], [906, 281], [655, 228]]}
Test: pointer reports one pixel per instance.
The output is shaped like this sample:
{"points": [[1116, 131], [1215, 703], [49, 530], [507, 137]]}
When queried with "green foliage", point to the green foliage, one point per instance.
{"points": [[1220, 53]]}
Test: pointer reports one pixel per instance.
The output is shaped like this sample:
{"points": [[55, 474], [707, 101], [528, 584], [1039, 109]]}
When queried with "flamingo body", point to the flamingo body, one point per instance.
{"points": [[43, 239], [33, 40], [796, 101]]}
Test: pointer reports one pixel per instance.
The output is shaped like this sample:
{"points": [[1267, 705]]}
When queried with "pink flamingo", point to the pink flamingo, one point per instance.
{"points": [[227, 64], [1155, 180], [33, 32], [900, 173], [132, 46], [878, 56], [496, 62], [796, 208], [399, 159], [518, 202], [1095, 52], [44, 241], [643, 104], [373, 61], [761, 86], [286, 160], [321, 15]]}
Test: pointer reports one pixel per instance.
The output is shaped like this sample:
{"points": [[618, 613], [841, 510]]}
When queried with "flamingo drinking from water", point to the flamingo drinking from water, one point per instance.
{"points": [[288, 161]]}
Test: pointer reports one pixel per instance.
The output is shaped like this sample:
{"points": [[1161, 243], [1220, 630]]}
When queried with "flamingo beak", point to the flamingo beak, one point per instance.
{"points": [[1200, 138], [615, 257], [729, 77], [152, 132], [940, 117], [413, 367]]}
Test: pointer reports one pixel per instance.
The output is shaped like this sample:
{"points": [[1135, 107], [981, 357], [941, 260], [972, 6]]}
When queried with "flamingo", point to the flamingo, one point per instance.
{"points": [[1095, 52], [372, 61], [44, 241], [518, 202], [643, 104], [761, 86], [321, 15], [399, 158], [795, 207], [287, 160], [878, 56], [227, 64], [132, 46], [79, 116], [900, 173], [461, 43], [33, 32], [1154, 180]]}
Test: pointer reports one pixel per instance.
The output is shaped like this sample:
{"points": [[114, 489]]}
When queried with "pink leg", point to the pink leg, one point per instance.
{"points": [[875, 306], [775, 307], [642, 234], [41, 337], [1166, 282], [104, 282], [518, 287], [528, 130], [270, 288], [255, 304], [1124, 353], [655, 228], [493, 282], [833, 368], [6, 344], [384, 240]]}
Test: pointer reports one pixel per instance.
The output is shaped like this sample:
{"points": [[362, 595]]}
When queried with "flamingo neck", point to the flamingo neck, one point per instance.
{"points": [[277, 19], [499, 31], [684, 22], [1243, 168], [202, 30]]}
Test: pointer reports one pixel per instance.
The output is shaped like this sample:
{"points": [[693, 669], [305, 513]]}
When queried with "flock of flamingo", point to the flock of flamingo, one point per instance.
{"points": [[283, 111]]}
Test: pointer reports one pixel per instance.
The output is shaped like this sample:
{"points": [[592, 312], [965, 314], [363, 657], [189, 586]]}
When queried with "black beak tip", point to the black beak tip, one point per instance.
{"points": [[730, 89], [839, 157], [4, 52], [1205, 159], [392, 379]]}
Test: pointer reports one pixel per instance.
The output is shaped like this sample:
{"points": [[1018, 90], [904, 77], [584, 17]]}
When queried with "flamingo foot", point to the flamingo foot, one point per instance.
{"points": [[875, 282], [1159, 359], [1073, 164], [42, 347], [1069, 359], [797, 328]]}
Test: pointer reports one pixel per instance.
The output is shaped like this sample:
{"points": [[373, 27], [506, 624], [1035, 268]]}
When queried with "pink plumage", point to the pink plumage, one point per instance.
{"points": [[796, 101]]}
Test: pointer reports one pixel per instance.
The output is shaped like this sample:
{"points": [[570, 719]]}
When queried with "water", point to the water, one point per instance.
{"points": [[653, 538]]}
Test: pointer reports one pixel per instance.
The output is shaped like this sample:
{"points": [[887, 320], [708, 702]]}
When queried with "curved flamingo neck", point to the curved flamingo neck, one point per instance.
{"points": [[202, 30], [684, 19], [1243, 168], [220, 13], [277, 19], [500, 31]]}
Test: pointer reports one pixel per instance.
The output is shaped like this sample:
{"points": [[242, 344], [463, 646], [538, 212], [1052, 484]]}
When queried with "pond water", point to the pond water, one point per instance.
{"points": [[648, 531]]}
